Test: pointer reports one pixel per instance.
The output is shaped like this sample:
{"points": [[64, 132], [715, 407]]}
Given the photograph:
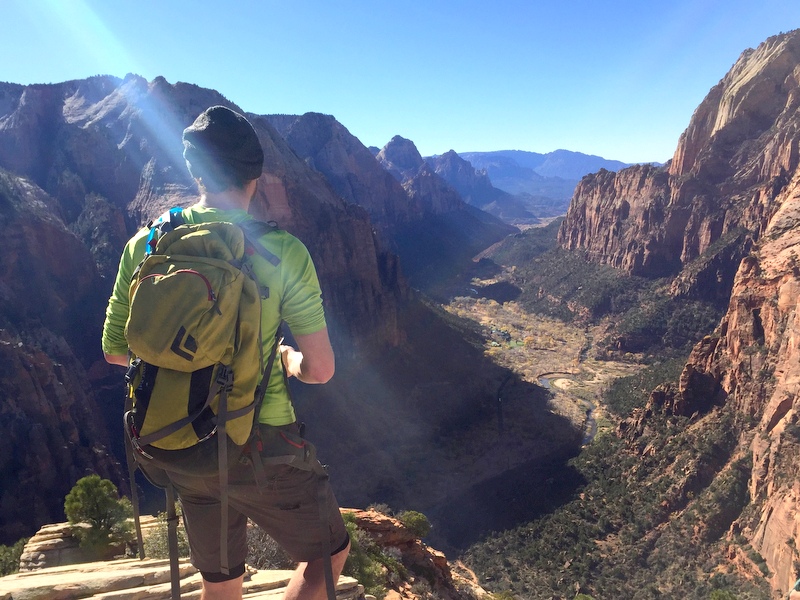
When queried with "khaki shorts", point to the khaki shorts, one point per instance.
{"points": [[287, 507]]}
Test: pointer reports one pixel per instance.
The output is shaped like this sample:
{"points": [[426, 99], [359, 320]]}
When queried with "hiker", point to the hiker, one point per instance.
{"points": [[224, 156]]}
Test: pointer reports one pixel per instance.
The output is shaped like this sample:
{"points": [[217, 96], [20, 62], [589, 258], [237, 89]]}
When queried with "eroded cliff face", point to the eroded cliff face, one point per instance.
{"points": [[53, 432], [733, 161], [351, 169], [429, 192], [753, 361], [477, 190]]}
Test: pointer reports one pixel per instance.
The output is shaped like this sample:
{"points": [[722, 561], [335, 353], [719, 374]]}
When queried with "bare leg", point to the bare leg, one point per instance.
{"points": [[223, 590], [308, 581]]}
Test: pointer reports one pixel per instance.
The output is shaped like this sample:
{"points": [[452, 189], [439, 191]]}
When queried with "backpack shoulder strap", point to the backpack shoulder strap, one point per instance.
{"points": [[168, 221], [253, 231]]}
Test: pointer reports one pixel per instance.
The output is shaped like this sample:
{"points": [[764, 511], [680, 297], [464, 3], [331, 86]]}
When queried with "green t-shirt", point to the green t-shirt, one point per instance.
{"points": [[294, 297]]}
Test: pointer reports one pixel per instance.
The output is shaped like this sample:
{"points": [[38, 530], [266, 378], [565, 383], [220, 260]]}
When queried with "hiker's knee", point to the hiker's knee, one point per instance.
{"points": [[339, 559], [230, 589], [314, 568]]}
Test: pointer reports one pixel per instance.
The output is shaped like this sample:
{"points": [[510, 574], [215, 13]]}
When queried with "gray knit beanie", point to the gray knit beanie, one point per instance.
{"points": [[222, 148]]}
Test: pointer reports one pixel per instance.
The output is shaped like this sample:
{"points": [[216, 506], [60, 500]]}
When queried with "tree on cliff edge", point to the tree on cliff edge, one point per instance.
{"points": [[95, 502]]}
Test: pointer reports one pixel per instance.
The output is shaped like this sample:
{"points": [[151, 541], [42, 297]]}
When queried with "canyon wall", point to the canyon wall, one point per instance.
{"points": [[418, 215], [717, 194], [722, 219]]}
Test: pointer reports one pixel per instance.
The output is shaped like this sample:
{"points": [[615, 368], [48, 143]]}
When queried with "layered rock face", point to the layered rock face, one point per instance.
{"points": [[52, 566], [454, 231], [753, 362], [474, 187], [432, 194], [328, 147], [52, 434], [732, 163]]}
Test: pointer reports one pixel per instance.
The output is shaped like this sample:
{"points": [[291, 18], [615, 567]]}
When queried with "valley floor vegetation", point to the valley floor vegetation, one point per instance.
{"points": [[651, 516]]}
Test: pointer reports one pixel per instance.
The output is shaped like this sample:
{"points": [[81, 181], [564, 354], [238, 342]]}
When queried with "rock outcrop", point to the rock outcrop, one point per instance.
{"points": [[53, 567], [55, 545], [477, 190], [142, 579], [422, 562]]}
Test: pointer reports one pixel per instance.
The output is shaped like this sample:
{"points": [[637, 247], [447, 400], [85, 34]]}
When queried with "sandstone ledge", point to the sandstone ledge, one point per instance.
{"points": [[133, 579]]}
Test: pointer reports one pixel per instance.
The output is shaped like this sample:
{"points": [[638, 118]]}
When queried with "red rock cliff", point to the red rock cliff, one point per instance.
{"points": [[732, 162], [727, 209], [754, 361]]}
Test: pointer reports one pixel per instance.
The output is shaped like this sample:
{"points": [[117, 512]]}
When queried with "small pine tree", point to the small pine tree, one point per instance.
{"points": [[95, 501], [156, 543]]}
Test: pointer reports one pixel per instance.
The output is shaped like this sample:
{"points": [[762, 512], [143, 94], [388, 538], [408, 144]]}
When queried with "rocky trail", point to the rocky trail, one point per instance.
{"points": [[140, 580]]}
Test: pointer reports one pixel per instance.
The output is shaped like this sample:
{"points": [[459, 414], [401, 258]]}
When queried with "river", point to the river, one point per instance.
{"points": [[554, 381]]}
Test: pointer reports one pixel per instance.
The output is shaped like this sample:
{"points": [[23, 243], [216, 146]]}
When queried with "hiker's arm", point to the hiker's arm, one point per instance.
{"points": [[313, 362], [116, 359], [114, 344]]}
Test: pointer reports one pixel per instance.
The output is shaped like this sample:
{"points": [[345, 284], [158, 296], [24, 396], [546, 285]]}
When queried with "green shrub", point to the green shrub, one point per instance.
{"points": [[368, 563], [9, 557], [415, 522], [721, 595], [361, 565], [95, 501], [633, 391], [156, 543], [504, 595], [263, 552]]}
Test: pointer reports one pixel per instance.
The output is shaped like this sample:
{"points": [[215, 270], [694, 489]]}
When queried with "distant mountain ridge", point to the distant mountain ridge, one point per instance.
{"points": [[411, 206], [565, 164], [541, 183], [476, 189]]}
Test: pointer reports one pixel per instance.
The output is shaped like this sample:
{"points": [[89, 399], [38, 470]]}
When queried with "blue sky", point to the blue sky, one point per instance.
{"points": [[618, 79]]}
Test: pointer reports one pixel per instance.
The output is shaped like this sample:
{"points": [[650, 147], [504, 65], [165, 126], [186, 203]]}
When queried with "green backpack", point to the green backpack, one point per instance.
{"points": [[194, 334]]}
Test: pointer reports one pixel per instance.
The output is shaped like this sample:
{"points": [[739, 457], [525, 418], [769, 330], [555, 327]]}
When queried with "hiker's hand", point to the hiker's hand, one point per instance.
{"points": [[292, 360], [314, 361], [116, 359]]}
